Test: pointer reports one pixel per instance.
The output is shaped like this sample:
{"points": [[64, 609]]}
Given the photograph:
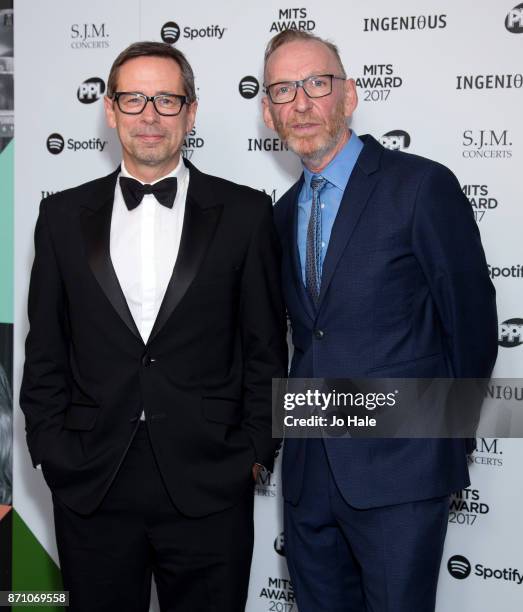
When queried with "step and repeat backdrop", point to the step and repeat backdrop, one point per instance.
{"points": [[440, 78]]}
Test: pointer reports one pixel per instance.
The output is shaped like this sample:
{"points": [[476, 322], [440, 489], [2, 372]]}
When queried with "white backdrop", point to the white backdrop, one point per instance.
{"points": [[443, 76]]}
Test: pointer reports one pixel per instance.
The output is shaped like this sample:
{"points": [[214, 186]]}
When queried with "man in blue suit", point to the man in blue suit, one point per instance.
{"points": [[384, 276]]}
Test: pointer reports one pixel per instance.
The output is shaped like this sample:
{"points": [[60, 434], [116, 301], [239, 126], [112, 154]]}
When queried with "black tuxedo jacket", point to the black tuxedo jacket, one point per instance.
{"points": [[204, 376]]}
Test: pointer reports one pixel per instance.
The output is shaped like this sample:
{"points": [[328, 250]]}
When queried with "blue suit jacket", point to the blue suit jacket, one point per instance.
{"points": [[405, 293]]}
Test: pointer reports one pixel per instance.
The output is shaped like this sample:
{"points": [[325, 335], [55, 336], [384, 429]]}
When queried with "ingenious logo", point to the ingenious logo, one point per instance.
{"points": [[90, 90], [266, 144], [249, 87], [489, 81], [396, 140], [514, 20], [411, 22]]}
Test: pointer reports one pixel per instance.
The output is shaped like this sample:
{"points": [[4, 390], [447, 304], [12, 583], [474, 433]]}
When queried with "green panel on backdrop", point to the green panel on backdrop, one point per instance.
{"points": [[6, 233], [33, 568]]}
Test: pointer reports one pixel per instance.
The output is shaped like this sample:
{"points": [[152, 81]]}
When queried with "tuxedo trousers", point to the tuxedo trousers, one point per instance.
{"points": [[107, 558], [346, 559]]}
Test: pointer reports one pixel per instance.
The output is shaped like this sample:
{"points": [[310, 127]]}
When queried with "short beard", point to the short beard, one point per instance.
{"points": [[309, 156], [149, 160]]}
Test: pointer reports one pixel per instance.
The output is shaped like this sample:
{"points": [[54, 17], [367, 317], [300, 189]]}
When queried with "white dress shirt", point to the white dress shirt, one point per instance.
{"points": [[144, 245]]}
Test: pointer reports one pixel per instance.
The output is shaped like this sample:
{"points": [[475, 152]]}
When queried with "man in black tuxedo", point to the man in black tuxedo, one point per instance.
{"points": [[156, 325]]}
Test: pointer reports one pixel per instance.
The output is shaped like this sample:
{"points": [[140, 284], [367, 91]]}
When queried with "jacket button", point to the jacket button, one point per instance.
{"points": [[146, 360], [319, 333]]}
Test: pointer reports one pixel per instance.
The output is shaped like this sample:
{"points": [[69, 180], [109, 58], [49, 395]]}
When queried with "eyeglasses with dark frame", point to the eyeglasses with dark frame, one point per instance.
{"points": [[315, 86], [134, 102]]}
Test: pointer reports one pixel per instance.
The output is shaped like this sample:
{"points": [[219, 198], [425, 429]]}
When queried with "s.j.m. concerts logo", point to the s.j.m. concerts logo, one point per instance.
{"points": [[489, 451], [89, 36], [486, 144]]}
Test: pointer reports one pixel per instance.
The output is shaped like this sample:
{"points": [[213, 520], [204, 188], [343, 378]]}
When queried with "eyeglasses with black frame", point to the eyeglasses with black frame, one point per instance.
{"points": [[315, 86], [134, 103]]}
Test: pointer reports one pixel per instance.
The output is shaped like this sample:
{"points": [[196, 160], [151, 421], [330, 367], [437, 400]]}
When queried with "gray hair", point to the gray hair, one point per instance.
{"points": [[288, 36]]}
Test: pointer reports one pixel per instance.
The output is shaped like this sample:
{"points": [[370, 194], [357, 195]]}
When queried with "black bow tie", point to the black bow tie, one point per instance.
{"points": [[133, 191]]}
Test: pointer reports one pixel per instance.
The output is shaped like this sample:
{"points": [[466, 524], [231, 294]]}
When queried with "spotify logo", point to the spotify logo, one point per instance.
{"points": [[249, 87], [55, 143]]}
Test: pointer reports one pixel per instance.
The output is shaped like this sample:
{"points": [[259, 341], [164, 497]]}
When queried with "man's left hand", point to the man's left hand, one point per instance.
{"points": [[256, 469]]}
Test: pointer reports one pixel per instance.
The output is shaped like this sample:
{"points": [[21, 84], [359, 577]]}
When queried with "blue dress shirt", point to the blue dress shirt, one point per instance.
{"points": [[337, 173]]}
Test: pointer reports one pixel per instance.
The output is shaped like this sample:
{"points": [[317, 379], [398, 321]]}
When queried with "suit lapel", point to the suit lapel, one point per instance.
{"points": [[202, 214], [96, 228], [361, 184]]}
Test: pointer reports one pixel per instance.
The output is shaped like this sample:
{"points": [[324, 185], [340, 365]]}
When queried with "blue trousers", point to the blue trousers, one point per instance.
{"points": [[344, 559]]}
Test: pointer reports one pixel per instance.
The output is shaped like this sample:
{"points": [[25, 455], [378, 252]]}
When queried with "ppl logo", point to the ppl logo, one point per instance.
{"points": [[511, 333], [249, 87], [170, 32], [459, 567], [514, 20], [396, 140], [55, 143], [279, 545], [91, 90]]}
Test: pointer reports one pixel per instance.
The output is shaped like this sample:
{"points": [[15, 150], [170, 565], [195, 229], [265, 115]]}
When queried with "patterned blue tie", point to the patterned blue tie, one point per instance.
{"points": [[313, 250]]}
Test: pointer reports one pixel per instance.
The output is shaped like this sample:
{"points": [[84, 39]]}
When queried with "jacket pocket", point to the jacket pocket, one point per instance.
{"points": [[220, 410], [429, 366], [81, 417]]}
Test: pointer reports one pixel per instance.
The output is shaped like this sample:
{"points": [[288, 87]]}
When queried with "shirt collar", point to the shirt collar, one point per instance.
{"points": [[336, 171], [179, 172]]}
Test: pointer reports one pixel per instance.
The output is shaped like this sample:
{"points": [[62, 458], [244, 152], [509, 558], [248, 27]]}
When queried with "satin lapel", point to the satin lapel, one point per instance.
{"points": [[352, 205], [294, 252], [199, 225], [96, 227]]}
